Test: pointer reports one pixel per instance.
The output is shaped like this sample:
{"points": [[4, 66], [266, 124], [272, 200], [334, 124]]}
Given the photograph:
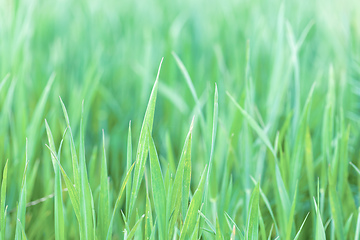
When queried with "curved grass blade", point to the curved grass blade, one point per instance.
{"points": [[142, 150], [208, 222], [74, 197], [241, 234], [191, 87], [254, 125], [58, 200], [133, 230], [74, 159]]}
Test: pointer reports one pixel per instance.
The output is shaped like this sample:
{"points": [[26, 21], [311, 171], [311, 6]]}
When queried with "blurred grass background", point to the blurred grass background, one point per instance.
{"points": [[107, 53]]}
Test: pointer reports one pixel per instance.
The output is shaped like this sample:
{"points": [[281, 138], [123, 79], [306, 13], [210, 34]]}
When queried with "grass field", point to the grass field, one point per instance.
{"points": [[179, 119]]}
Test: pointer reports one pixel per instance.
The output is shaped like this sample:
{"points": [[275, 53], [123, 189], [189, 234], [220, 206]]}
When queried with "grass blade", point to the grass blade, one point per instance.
{"points": [[3, 199], [85, 192], [191, 215], [336, 210], [301, 227], [109, 232], [218, 235], [357, 232], [291, 216], [319, 232], [73, 194], [213, 137], [252, 224], [104, 204], [158, 188], [133, 230], [21, 210], [128, 165], [254, 125], [142, 150], [178, 181], [74, 159], [191, 87], [58, 203]]}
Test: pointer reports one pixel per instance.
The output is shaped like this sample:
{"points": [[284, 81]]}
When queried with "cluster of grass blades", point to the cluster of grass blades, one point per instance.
{"points": [[170, 208], [174, 217]]}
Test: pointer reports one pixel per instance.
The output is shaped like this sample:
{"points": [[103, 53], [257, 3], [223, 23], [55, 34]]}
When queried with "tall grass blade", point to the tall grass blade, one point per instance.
{"points": [[291, 216], [177, 187], [301, 227], [85, 192], [142, 150], [74, 159], [254, 125], [213, 137], [158, 189], [252, 223], [128, 166], [21, 209], [109, 232], [191, 215], [357, 231], [104, 203], [191, 87], [73, 194], [319, 232], [58, 201], [336, 210]]}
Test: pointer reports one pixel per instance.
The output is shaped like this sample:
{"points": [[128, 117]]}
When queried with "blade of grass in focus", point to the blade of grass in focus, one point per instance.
{"points": [[142, 150], [158, 189], [58, 201]]}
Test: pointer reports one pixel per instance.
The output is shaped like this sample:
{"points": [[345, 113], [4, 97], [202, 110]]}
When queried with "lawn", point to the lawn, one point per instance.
{"points": [[181, 120]]}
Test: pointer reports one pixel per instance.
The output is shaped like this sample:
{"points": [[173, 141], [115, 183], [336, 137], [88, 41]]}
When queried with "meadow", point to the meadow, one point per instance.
{"points": [[189, 119]]}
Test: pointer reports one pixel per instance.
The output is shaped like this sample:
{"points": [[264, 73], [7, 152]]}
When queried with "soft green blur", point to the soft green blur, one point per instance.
{"points": [[266, 54]]}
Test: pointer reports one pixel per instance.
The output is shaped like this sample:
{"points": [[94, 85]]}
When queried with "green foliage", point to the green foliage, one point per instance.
{"points": [[255, 133]]}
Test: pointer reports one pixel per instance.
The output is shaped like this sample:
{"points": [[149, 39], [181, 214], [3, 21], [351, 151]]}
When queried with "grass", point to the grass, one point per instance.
{"points": [[249, 129]]}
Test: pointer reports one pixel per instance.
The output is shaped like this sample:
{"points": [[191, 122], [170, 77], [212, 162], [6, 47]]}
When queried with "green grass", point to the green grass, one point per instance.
{"points": [[179, 119]]}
